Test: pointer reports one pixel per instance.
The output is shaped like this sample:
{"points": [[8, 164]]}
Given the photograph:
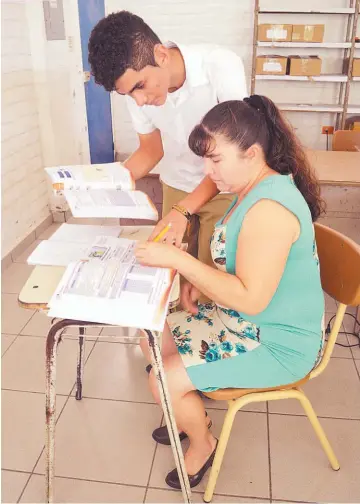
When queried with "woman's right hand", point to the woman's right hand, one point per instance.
{"points": [[189, 297]]}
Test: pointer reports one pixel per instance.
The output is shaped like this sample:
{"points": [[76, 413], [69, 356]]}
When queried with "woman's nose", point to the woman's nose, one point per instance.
{"points": [[208, 169]]}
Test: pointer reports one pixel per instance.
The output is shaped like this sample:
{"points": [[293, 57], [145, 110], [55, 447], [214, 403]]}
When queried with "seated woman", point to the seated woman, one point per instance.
{"points": [[264, 325]]}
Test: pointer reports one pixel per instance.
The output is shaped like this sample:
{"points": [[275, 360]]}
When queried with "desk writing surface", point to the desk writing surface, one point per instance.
{"points": [[43, 280], [336, 167]]}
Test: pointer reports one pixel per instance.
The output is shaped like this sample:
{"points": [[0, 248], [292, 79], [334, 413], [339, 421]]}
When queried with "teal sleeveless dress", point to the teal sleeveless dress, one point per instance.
{"points": [[223, 348]]}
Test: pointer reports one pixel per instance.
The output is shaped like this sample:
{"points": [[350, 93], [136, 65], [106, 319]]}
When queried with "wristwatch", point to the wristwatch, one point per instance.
{"points": [[183, 211]]}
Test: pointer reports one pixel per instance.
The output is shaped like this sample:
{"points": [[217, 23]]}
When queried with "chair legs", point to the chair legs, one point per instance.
{"points": [[319, 431], [220, 451], [235, 406]]}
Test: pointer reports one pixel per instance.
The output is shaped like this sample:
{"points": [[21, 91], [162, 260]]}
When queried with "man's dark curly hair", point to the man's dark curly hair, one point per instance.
{"points": [[118, 42]]}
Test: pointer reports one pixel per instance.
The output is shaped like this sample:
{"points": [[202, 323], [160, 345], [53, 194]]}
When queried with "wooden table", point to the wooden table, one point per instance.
{"points": [[336, 167], [35, 295]]}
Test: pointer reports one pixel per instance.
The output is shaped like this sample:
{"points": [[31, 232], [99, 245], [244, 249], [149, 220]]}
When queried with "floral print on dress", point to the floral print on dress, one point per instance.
{"points": [[217, 244], [231, 337], [227, 334]]}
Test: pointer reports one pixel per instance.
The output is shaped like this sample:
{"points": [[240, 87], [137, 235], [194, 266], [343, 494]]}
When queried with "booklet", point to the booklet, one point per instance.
{"points": [[54, 253], [101, 190], [114, 290]]}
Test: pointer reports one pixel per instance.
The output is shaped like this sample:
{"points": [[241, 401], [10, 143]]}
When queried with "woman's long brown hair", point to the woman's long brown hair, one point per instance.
{"points": [[258, 120]]}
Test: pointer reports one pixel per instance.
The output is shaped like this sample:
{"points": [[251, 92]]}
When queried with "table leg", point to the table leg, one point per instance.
{"points": [[80, 364], [53, 339], [169, 416]]}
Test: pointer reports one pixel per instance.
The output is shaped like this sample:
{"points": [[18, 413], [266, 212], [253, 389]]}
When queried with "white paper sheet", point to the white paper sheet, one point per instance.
{"points": [[83, 233], [110, 203], [54, 253]]}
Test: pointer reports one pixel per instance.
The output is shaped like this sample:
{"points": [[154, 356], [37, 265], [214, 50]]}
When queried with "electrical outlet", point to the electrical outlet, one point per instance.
{"points": [[327, 130]]}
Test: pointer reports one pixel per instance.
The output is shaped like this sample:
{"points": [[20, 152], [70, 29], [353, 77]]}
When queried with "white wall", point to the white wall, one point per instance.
{"points": [[230, 24], [23, 184]]}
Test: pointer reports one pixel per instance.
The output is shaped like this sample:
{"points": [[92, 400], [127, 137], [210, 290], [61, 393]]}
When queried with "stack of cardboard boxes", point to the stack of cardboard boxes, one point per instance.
{"points": [[291, 65]]}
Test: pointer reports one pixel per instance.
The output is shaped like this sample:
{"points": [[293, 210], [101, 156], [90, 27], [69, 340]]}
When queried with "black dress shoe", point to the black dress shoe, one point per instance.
{"points": [[172, 479], [148, 368], [161, 434]]}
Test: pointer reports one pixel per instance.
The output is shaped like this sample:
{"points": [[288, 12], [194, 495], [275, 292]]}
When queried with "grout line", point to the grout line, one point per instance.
{"points": [[15, 470], [70, 396], [11, 344], [152, 463], [23, 490], [269, 452], [115, 400], [32, 392], [298, 415], [105, 482]]}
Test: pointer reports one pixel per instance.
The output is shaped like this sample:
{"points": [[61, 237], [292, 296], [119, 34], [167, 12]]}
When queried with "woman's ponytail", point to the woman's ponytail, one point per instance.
{"points": [[285, 155]]}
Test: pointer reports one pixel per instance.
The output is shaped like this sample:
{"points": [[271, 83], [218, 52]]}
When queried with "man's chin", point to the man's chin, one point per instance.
{"points": [[160, 101]]}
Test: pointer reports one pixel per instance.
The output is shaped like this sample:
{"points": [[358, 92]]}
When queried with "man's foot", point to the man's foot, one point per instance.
{"points": [[199, 461], [148, 368], [161, 434]]}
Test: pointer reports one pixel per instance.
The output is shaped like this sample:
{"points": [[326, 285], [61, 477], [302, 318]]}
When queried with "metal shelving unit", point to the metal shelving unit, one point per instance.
{"points": [[342, 108]]}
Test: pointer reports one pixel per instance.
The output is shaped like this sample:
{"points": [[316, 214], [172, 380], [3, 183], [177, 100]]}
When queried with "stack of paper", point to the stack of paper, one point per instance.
{"points": [[116, 290]]}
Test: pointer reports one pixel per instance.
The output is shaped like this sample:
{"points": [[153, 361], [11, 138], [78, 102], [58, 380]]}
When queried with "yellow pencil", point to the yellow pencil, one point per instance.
{"points": [[162, 233]]}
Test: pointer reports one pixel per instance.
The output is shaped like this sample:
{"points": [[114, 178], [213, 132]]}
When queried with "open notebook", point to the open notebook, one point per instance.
{"points": [[114, 289], [101, 190]]}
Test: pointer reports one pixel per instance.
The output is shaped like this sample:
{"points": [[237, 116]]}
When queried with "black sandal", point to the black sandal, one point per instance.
{"points": [[161, 434], [172, 479]]}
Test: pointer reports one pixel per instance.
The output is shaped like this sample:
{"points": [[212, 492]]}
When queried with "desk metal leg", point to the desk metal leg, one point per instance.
{"points": [[53, 339], [169, 416], [80, 364]]}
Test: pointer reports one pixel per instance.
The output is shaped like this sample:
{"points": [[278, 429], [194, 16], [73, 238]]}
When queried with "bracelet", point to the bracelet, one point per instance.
{"points": [[183, 211]]}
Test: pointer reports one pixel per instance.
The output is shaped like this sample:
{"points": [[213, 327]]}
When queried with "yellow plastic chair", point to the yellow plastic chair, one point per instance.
{"points": [[340, 277]]}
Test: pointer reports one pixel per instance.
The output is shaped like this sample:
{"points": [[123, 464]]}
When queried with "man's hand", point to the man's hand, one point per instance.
{"points": [[178, 228], [189, 296]]}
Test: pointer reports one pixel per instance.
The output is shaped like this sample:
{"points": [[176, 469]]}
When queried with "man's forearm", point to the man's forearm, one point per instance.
{"points": [[203, 193], [140, 163]]}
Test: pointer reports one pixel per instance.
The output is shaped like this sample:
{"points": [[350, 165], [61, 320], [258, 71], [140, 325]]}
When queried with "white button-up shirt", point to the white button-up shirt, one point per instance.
{"points": [[213, 75]]}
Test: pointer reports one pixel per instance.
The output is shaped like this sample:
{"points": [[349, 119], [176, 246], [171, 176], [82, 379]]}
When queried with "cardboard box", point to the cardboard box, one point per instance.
{"points": [[274, 32], [355, 67], [304, 65], [308, 33], [271, 65]]}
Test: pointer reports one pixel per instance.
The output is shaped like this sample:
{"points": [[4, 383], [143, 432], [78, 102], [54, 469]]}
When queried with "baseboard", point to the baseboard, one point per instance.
{"points": [[26, 242]]}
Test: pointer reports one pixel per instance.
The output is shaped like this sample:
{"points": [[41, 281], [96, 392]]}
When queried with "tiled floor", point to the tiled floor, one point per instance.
{"points": [[104, 449]]}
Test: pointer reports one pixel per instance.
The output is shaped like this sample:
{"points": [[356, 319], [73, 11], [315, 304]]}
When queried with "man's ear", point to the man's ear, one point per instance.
{"points": [[161, 55]]}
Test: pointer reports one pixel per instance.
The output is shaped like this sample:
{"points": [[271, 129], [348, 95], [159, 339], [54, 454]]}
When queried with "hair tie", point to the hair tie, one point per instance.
{"points": [[255, 102]]}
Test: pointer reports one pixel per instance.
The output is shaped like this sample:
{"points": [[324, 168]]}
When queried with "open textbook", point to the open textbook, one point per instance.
{"points": [[74, 242], [115, 290], [101, 190]]}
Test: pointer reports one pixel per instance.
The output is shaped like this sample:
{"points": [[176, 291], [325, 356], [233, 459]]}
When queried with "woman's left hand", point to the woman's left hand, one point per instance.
{"points": [[158, 254]]}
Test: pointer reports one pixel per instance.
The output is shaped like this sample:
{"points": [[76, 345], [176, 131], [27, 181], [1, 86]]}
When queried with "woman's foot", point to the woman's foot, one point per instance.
{"points": [[161, 434], [197, 461]]}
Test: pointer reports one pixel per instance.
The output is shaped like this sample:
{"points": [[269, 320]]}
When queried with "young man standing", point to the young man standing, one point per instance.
{"points": [[168, 89]]}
